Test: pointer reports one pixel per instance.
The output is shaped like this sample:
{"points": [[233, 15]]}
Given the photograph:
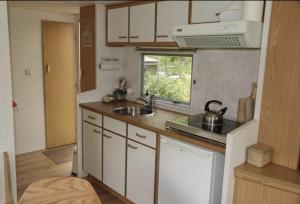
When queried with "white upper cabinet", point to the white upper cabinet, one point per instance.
{"points": [[208, 11], [142, 22], [117, 25], [169, 14]]}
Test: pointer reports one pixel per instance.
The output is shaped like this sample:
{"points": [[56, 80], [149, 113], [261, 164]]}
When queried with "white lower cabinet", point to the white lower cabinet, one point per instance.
{"points": [[140, 173], [92, 150], [114, 157]]}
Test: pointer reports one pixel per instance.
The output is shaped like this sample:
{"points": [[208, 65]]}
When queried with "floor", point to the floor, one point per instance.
{"points": [[34, 166]]}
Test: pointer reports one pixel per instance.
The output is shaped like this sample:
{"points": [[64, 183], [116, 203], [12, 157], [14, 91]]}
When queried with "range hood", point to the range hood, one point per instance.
{"points": [[229, 34]]}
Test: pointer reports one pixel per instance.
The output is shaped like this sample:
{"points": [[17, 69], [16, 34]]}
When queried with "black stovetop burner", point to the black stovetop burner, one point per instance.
{"points": [[195, 121]]}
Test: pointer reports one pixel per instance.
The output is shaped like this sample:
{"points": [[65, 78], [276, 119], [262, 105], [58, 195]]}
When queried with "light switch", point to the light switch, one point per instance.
{"points": [[27, 72]]}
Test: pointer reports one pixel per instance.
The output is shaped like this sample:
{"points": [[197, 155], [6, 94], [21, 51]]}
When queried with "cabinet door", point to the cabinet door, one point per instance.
{"points": [[207, 11], [142, 22], [140, 173], [92, 150], [117, 25], [169, 14], [114, 147]]}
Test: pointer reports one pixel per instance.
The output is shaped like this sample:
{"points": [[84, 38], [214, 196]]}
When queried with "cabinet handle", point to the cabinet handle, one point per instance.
{"points": [[141, 136], [122, 37], [96, 131], [131, 146], [91, 117], [162, 36], [104, 135], [134, 37]]}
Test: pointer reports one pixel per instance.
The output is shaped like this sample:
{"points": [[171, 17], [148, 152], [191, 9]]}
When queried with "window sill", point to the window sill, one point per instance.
{"points": [[180, 108]]}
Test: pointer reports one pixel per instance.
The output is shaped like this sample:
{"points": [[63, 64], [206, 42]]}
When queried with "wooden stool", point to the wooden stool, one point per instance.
{"points": [[61, 190]]}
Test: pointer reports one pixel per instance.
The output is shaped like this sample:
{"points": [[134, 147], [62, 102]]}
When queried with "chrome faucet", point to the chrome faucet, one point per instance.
{"points": [[149, 102]]}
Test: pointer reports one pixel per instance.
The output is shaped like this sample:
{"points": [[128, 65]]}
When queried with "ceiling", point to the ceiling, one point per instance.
{"points": [[66, 7]]}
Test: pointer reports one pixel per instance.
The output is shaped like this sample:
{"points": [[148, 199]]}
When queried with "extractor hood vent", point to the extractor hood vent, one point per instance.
{"points": [[238, 34]]}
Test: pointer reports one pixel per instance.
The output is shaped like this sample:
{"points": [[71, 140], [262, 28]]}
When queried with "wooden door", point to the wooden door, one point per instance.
{"points": [[177, 14], [87, 48], [280, 112], [59, 83], [140, 173], [142, 23], [117, 25], [92, 150], [114, 161]]}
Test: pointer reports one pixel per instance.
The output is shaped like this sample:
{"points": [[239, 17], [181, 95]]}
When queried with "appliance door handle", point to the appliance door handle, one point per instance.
{"points": [[107, 136], [96, 131], [131, 146], [141, 136], [162, 36], [91, 117]]}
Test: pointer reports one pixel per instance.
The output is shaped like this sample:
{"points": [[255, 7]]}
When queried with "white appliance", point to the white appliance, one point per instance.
{"points": [[189, 174], [230, 34]]}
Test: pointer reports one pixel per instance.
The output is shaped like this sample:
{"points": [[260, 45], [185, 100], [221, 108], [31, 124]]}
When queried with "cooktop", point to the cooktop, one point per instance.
{"points": [[193, 125]]}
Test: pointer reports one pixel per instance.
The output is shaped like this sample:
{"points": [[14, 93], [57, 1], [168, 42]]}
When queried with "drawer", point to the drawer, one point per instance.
{"points": [[92, 117], [114, 125], [141, 135]]}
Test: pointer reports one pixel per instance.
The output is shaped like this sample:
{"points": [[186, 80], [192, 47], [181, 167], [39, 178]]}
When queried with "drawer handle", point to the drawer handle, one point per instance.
{"points": [[131, 146], [107, 136], [162, 36], [96, 131], [122, 37], [141, 136], [91, 117], [134, 37]]}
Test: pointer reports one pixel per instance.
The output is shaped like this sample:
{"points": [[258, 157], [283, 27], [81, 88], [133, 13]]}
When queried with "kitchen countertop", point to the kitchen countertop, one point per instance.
{"points": [[154, 122], [271, 175]]}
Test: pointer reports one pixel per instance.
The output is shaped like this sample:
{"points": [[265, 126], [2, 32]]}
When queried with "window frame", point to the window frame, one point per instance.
{"points": [[161, 99]]}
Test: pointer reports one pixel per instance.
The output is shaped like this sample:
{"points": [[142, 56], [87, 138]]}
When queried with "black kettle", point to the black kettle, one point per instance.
{"points": [[213, 118]]}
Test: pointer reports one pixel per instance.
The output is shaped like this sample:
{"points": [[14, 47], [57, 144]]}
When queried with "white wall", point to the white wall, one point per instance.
{"points": [[6, 114], [225, 75], [28, 91]]}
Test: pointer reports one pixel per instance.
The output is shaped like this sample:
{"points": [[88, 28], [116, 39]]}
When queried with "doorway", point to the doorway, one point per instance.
{"points": [[59, 62]]}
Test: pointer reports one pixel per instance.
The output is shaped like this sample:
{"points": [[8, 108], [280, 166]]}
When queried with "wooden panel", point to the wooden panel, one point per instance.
{"points": [[87, 48], [59, 83], [141, 135], [117, 25], [142, 23], [177, 14], [247, 192], [114, 151], [272, 175], [7, 180], [276, 196], [140, 173], [92, 150], [92, 117], [280, 115], [114, 125]]}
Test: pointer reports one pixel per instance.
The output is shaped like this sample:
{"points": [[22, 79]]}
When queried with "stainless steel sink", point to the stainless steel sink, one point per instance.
{"points": [[134, 111]]}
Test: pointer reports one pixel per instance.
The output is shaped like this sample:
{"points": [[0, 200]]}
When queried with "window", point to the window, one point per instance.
{"points": [[167, 76]]}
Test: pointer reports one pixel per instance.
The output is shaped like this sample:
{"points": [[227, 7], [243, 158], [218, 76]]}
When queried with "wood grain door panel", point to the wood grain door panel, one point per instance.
{"points": [[280, 112], [59, 83], [87, 48]]}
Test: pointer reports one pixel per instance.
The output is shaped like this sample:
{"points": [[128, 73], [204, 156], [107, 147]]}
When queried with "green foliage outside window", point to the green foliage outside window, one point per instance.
{"points": [[168, 77]]}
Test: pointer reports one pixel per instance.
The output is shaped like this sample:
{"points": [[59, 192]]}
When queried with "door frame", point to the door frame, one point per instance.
{"points": [[76, 41]]}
